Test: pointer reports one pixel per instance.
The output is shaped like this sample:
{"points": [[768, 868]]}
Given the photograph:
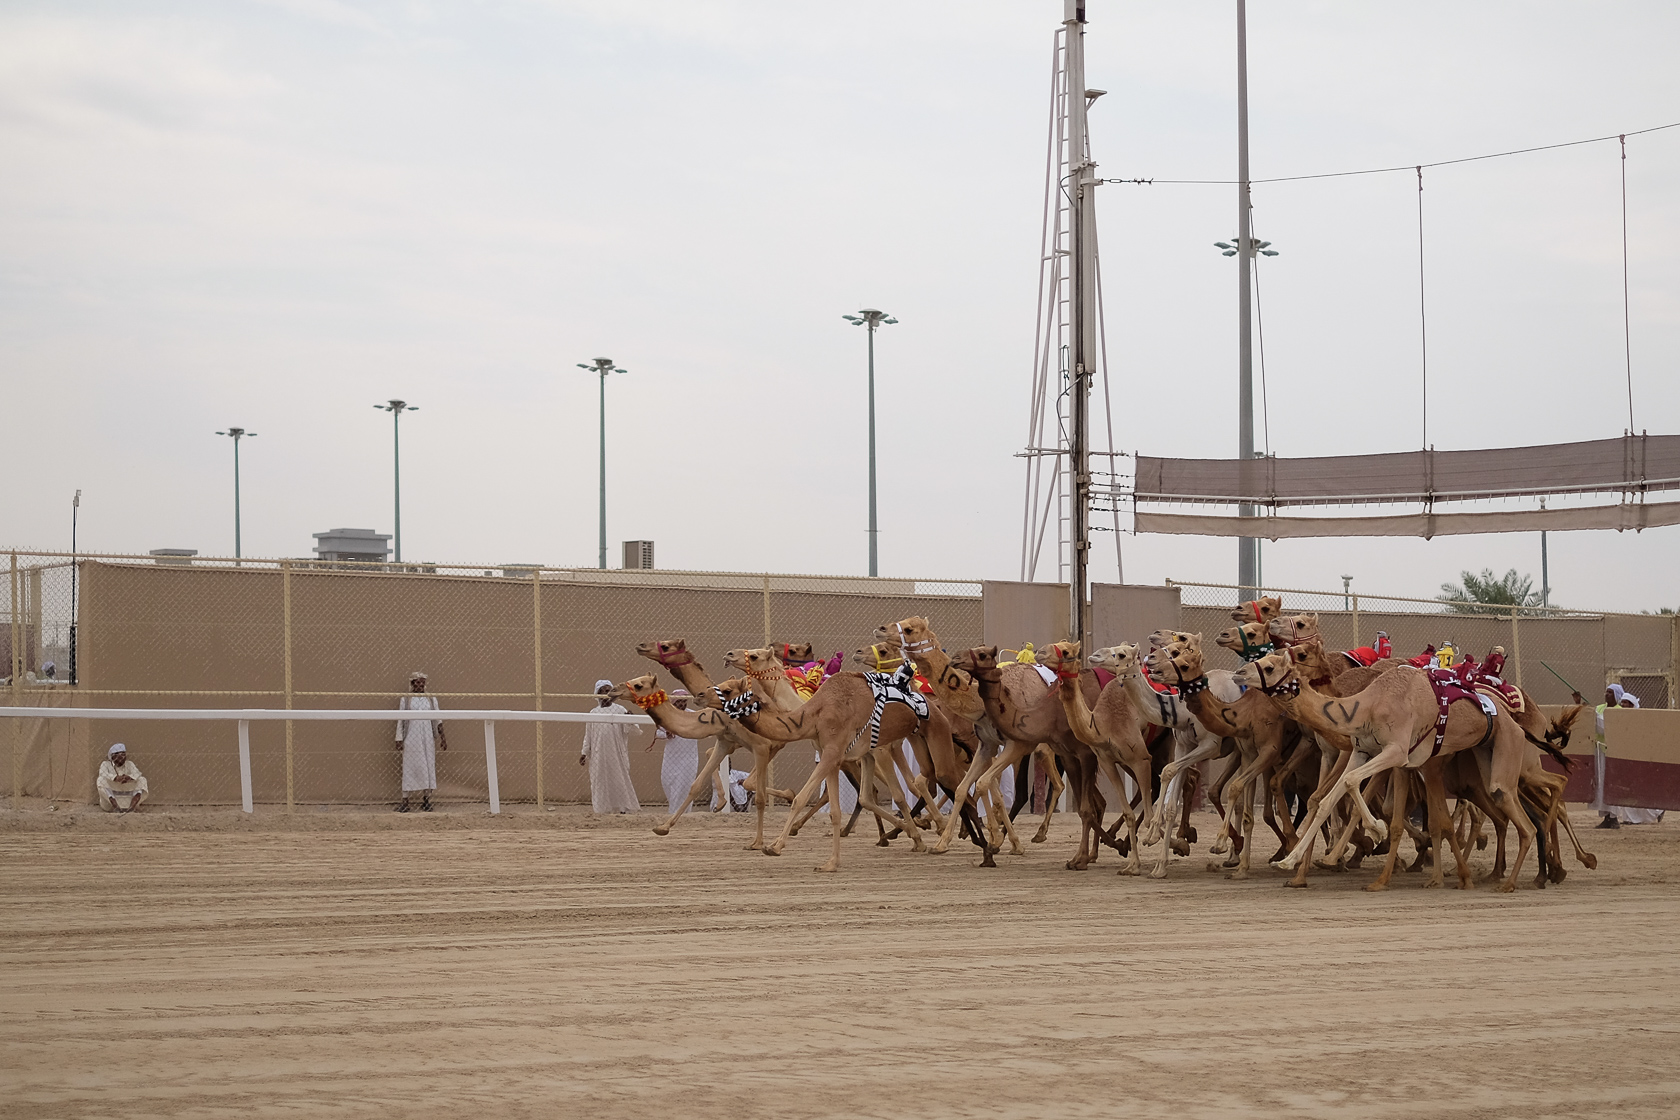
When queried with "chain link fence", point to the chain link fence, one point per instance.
{"points": [[150, 631], [132, 631]]}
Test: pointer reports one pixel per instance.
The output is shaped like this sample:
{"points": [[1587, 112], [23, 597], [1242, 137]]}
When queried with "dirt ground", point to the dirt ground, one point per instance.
{"points": [[365, 964]]}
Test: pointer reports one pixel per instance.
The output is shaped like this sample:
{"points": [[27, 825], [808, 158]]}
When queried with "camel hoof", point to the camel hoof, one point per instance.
{"points": [[755, 846], [1280, 853], [938, 850], [1076, 865], [1590, 862], [1352, 864], [1232, 860], [916, 845], [987, 860], [772, 850], [1039, 837], [1559, 873], [661, 830], [1301, 885], [1159, 872], [1285, 864], [1238, 875], [1374, 887], [1506, 888], [1180, 848], [1190, 833], [1215, 865], [827, 868], [1431, 884], [1481, 843]]}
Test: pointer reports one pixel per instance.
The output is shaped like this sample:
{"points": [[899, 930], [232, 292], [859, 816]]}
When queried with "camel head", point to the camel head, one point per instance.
{"points": [[795, 653], [724, 692], [669, 652], [882, 657], [1271, 673], [1309, 659], [1178, 662], [761, 663], [980, 659], [1259, 610], [1247, 636], [1061, 658], [1121, 660], [1159, 638], [642, 691], [1295, 628], [915, 633]]}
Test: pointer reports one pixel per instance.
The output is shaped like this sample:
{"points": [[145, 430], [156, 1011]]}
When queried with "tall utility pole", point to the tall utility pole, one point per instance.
{"points": [[1248, 548], [871, 318], [237, 434], [75, 579], [1082, 240], [396, 409], [603, 366]]}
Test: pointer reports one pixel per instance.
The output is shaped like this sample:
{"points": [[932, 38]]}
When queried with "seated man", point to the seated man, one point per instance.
{"points": [[121, 785]]}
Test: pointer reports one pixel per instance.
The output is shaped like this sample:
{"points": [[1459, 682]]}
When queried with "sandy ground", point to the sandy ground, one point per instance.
{"points": [[197, 965]]}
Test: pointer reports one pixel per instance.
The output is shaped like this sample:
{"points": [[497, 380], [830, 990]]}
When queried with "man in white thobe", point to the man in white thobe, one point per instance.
{"points": [[606, 751], [121, 785], [680, 763], [419, 740]]}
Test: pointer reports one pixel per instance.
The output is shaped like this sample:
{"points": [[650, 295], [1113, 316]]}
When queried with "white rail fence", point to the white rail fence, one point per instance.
{"points": [[245, 716]]}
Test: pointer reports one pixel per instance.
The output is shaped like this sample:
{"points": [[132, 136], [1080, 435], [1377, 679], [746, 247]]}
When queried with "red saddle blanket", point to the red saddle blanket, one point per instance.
{"points": [[1449, 688]]}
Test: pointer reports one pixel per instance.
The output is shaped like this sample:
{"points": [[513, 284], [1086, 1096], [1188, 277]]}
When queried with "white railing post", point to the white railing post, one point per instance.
{"points": [[245, 764], [490, 766]]}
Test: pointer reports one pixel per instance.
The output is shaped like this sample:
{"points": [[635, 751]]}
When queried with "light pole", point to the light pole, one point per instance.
{"points": [[1347, 583], [603, 366], [75, 576], [871, 318], [396, 409], [237, 434]]}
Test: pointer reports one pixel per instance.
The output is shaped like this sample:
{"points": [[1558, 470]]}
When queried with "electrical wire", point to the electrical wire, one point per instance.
{"points": [[1404, 167]]}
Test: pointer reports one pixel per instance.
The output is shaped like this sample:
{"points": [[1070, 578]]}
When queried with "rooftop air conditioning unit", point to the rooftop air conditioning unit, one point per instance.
{"points": [[638, 554]]}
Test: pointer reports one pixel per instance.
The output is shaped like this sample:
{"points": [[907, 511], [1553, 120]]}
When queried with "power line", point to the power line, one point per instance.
{"points": [[1621, 136]]}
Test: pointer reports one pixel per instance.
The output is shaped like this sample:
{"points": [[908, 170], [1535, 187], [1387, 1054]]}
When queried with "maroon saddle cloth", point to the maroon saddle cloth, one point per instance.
{"points": [[1449, 688]]}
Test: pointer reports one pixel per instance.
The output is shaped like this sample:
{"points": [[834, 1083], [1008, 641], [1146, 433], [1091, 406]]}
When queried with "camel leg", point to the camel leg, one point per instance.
{"points": [[859, 782], [1012, 754], [1392, 755], [1132, 865], [1053, 792], [702, 780], [835, 816], [1441, 827], [828, 765], [1397, 791]]}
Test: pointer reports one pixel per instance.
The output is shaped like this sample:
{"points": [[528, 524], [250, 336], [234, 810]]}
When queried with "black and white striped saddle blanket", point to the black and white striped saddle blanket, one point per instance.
{"points": [[896, 687]]}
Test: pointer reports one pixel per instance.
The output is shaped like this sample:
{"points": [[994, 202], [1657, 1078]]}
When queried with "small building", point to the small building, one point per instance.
{"points": [[174, 555], [353, 544]]}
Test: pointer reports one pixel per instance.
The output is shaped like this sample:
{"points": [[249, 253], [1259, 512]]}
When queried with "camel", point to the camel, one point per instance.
{"points": [[837, 718], [1113, 728], [960, 695], [1193, 742], [1026, 714], [1250, 720], [673, 655], [1261, 610], [1394, 718]]}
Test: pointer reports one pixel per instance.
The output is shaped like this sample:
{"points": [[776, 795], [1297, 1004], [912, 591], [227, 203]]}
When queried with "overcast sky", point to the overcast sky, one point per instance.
{"points": [[277, 214]]}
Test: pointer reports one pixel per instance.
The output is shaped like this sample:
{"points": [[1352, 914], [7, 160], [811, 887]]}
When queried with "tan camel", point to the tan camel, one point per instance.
{"points": [[1261, 732], [1261, 610], [1394, 719], [1026, 714], [1193, 742], [673, 655], [838, 719], [960, 695], [1113, 728]]}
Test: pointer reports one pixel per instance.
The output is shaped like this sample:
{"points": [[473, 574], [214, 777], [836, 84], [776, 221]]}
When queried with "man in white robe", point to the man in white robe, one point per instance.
{"points": [[680, 763], [1615, 816], [122, 787], [606, 751], [419, 740]]}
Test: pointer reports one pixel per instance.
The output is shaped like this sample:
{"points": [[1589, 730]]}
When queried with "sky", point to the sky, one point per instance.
{"points": [[278, 214]]}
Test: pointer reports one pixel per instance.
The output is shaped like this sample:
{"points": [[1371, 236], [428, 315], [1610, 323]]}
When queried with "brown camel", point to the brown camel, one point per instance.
{"points": [[838, 719], [1026, 714], [1113, 728], [673, 655], [1261, 732], [1394, 718], [1261, 610]]}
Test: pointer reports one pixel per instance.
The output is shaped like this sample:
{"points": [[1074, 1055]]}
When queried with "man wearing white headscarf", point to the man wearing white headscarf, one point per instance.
{"points": [[1615, 816], [121, 785], [606, 751], [680, 764], [419, 740]]}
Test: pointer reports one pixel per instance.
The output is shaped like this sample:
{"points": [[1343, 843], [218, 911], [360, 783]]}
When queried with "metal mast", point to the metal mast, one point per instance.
{"points": [[1083, 324], [1248, 548]]}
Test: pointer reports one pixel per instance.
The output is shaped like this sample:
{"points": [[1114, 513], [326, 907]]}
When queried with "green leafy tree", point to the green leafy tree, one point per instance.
{"points": [[1485, 593]]}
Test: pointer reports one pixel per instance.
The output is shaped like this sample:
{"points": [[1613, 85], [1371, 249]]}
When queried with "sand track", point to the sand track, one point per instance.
{"points": [[194, 965]]}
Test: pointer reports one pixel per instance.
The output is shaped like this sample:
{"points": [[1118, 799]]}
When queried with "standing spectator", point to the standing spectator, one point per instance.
{"points": [[120, 780], [419, 740], [1615, 816], [680, 763], [606, 751]]}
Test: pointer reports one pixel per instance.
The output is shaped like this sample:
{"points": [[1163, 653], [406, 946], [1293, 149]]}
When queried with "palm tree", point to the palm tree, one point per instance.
{"points": [[1509, 590]]}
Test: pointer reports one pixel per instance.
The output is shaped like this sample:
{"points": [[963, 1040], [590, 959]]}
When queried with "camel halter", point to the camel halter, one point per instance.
{"points": [[884, 664], [651, 700], [1289, 686], [1188, 688], [745, 704], [764, 677], [1250, 651], [909, 647]]}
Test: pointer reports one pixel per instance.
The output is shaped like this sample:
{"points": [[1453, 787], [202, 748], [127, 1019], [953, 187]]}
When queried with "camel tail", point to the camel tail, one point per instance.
{"points": [[1558, 756]]}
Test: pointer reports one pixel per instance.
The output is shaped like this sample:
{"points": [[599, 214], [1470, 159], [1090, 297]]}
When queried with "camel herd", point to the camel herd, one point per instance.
{"points": [[1353, 755]]}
